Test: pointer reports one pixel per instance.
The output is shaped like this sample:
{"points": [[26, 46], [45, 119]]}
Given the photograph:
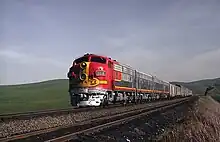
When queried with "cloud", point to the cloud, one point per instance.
{"points": [[175, 40], [21, 67], [168, 64], [25, 58], [205, 65]]}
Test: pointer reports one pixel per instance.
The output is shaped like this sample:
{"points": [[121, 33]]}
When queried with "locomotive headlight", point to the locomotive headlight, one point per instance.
{"points": [[83, 65], [82, 76]]}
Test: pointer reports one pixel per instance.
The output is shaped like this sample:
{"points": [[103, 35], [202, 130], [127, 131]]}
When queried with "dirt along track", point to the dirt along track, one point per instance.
{"points": [[93, 119], [31, 114], [11, 127], [16, 123], [49, 112], [150, 127]]}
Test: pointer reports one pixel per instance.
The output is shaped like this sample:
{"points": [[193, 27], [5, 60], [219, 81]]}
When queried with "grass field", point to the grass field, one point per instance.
{"points": [[45, 95], [199, 87], [54, 94], [201, 125]]}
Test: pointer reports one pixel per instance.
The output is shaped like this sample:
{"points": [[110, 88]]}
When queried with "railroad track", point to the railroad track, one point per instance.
{"points": [[20, 115], [50, 112], [71, 132]]}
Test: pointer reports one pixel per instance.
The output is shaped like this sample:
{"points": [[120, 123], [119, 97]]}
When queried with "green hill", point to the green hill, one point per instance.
{"points": [[199, 87], [54, 94], [35, 96]]}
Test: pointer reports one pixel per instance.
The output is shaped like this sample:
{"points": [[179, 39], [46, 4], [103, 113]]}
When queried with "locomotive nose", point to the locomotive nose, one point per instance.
{"points": [[83, 75]]}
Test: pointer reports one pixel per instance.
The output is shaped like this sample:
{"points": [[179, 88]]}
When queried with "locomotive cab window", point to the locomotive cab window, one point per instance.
{"points": [[98, 59], [110, 64], [116, 75], [82, 59]]}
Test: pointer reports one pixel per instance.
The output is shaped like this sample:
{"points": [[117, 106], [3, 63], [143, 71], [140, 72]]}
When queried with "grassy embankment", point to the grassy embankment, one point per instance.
{"points": [[53, 94], [216, 97], [36, 96], [199, 87], [202, 124]]}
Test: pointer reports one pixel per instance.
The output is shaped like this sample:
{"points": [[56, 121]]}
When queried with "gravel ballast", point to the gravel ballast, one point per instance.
{"points": [[202, 123], [146, 128], [13, 127]]}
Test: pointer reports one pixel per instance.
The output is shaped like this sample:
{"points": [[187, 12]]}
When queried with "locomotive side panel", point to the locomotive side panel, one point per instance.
{"points": [[110, 75], [99, 73], [125, 81]]}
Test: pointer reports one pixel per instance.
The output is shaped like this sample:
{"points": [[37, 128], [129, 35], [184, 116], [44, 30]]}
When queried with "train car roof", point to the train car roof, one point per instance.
{"points": [[103, 56], [144, 73], [166, 82], [125, 65], [89, 54], [128, 66]]}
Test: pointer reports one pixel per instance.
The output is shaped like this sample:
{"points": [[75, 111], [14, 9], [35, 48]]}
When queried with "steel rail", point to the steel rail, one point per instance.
{"points": [[17, 114], [115, 122], [95, 120], [31, 114]]}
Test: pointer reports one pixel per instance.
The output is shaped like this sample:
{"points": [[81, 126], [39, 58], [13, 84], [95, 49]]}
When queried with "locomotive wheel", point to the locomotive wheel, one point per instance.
{"points": [[104, 102], [73, 101]]}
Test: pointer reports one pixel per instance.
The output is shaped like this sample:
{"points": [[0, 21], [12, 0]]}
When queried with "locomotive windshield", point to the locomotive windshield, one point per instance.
{"points": [[98, 59], [82, 59]]}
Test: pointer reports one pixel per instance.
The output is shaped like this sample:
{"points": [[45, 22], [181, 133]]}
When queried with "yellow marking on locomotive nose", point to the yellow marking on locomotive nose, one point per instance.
{"points": [[103, 82], [91, 82], [85, 71], [87, 68], [95, 82]]}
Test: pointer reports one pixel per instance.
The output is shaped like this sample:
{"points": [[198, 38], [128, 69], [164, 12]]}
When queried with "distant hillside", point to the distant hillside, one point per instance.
{"points": [[34, 96], [54, 94], [197, 86], [200, 86], [38, 84]]}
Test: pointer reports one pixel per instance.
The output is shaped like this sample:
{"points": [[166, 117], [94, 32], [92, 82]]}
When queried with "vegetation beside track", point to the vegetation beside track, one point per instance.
{"points": [[202, 123], [36, 96], [199, 87], [53, 94], [216, 97]]}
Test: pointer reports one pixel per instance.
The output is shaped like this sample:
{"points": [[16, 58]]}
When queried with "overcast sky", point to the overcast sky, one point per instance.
{"points": [[177, 40]]}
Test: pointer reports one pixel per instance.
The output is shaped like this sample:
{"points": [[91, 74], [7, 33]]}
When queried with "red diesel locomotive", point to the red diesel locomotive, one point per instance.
{"points": [[98, 80]]}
